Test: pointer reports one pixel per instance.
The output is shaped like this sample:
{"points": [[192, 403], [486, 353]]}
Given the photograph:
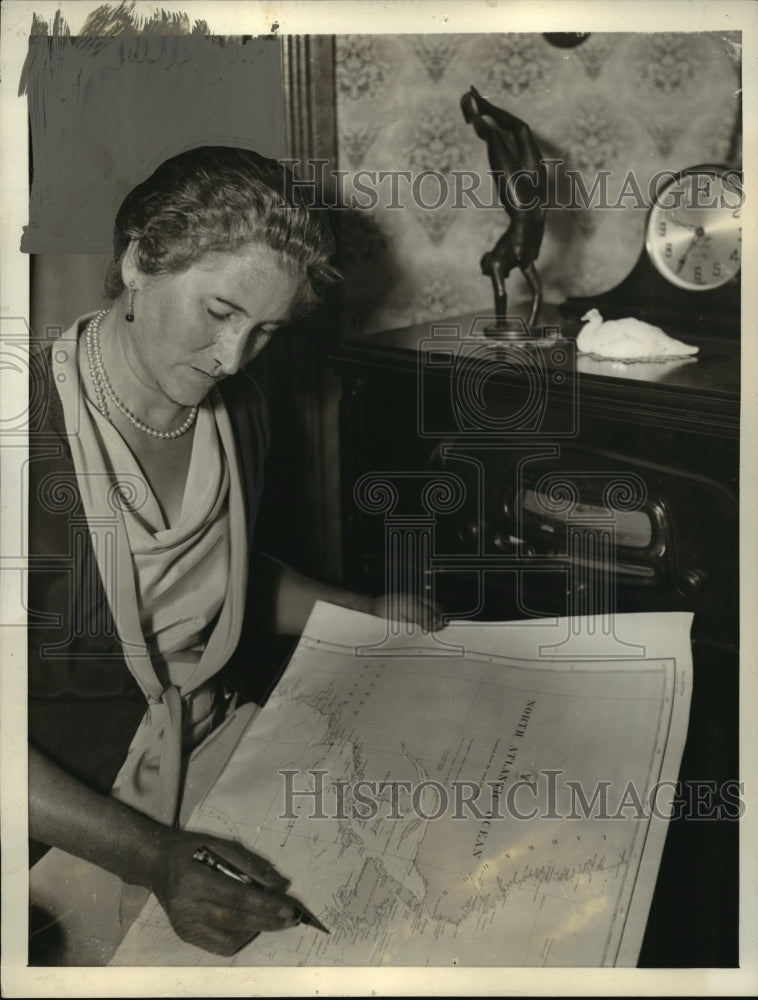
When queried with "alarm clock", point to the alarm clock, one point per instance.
{"points": [[688, 272], [694, 232]]}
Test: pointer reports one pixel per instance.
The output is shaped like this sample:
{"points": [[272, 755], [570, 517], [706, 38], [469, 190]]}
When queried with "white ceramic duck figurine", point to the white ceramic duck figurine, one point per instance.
{"points": [[627, 339]]}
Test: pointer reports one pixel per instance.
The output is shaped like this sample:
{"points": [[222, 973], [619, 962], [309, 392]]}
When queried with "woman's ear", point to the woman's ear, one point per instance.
{"points": [[130, 269]]}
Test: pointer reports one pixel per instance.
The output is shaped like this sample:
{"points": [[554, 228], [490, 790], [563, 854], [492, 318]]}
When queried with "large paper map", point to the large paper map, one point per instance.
{"points": [[493, 795]]}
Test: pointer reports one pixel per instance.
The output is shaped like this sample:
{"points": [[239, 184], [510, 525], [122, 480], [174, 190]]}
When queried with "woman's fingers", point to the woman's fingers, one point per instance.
{"points": [[230, 900], [271, 915], [220, 940], [258, 868], [211, 909], [214, 912], [407, 607]]}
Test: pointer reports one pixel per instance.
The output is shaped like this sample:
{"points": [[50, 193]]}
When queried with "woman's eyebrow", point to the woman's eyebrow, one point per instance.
{"points": [[232, 305]]}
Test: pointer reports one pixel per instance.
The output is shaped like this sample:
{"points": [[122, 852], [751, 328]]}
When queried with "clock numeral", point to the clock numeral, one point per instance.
{"points": [[669, 249], [717, 269], [662, 228], [698, 274], [735, 255], [736, 213]]}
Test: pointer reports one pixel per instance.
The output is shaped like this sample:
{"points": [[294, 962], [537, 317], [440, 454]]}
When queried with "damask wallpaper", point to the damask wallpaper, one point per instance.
{"points": [[626, 104]]}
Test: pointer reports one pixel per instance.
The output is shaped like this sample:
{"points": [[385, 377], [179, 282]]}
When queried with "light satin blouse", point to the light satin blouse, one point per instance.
{"points": [[176, 592]]}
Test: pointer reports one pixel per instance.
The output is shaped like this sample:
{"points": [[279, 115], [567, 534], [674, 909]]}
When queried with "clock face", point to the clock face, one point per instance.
{"points": [[694, 232]]}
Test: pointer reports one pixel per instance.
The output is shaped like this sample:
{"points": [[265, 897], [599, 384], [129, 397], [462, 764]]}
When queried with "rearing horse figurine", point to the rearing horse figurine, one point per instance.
{"points": [[517, 164]]}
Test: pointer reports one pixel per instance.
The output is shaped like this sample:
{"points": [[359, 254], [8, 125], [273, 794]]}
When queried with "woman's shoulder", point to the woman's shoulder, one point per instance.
{"points": [[45, 410]]}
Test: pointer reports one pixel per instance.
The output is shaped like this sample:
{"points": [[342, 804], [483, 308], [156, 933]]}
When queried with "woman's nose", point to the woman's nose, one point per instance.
{"points": [[229, 352]]}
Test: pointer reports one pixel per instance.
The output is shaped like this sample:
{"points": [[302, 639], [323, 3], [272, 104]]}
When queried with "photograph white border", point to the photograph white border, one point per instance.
{"points": [[334, 17]]}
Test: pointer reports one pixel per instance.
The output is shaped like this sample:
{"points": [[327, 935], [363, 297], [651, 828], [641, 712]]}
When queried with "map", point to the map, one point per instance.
{"points": [[469, 798]]}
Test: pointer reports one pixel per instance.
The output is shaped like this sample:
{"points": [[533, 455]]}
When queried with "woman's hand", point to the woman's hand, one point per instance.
{"points": [[406, 607], [205, 907], [209, 909]]}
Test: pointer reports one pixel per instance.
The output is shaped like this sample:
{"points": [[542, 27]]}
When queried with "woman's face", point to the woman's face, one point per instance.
{"points": [[195, 327]]}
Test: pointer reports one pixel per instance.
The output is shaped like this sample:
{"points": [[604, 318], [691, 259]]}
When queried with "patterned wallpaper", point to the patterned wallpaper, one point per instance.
{"points": [[616, 102]]}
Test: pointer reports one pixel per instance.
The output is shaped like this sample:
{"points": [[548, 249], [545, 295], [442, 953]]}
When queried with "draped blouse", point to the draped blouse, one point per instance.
{"points": [[176, 592]]}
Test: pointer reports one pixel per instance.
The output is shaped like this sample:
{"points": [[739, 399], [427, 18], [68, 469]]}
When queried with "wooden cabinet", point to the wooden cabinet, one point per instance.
{"points": [[493, 420]]}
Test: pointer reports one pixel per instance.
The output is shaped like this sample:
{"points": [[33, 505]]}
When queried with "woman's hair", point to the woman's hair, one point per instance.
{"points": [[219, 198]]}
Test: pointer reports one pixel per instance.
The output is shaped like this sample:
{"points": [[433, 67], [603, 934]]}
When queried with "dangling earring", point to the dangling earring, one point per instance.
{"points": [[130, 306]]}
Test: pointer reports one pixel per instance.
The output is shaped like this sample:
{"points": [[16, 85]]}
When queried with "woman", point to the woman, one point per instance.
{"points": [[145, 478]]}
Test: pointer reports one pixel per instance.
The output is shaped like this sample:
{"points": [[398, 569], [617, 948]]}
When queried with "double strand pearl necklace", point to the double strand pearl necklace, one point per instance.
{"points": [[103, 387]]}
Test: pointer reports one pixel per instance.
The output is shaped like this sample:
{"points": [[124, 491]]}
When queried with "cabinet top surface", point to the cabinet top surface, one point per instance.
{"points": [[713, 373]]}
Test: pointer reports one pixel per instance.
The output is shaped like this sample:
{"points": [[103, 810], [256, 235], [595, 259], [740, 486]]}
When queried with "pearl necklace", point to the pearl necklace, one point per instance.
{"points": [[103, 387]]}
